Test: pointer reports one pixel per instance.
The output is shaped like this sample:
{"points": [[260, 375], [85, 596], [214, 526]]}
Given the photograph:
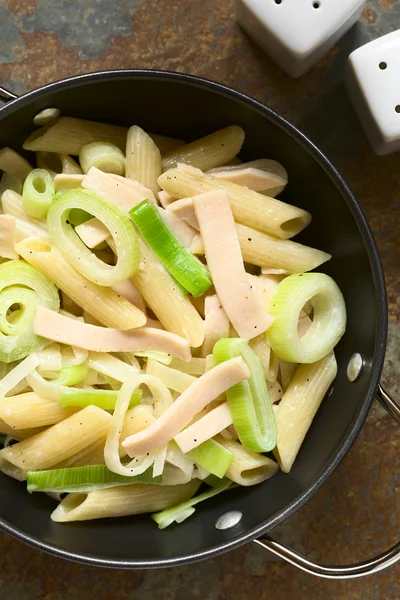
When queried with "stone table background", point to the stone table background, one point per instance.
{"points": [[356, 513]]}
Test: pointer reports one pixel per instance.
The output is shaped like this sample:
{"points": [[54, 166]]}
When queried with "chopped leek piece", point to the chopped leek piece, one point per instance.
{"points": [[83, 479], [105, 399], [3, 438], [180, 262], [249, 402], [71, 375], [104, 156], [329, 318], [213, 457], [77, 216], [38, 193], [22, 290], [179, 513], [74, 250]]}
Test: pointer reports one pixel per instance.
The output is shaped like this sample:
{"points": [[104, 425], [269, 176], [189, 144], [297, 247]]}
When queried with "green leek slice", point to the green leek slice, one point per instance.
{"points": [[105, 399], [329, 319], [74, 250], [22, 290], [179, 513], [213, 457], [38, 193], [177, 259], [83, 479], [249, 402]]}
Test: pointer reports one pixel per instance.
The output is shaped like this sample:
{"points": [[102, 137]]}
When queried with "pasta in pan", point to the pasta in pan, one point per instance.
{"points": [[151, 356]]}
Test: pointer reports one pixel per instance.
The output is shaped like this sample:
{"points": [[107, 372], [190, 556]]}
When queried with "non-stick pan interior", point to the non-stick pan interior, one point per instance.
{"points": [[187, 108]]}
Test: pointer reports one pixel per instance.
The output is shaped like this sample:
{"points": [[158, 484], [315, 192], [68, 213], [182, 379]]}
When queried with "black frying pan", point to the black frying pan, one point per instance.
{"points": [[188, 107]]}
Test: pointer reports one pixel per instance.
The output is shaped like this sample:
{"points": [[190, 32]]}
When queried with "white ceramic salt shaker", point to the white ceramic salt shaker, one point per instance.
{"points": [[297, 33], [373, 83]]}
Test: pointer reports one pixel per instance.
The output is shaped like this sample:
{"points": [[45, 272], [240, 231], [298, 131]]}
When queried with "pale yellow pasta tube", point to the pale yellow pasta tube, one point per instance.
{"points": [[12, 163], [60, 441], [250, 208], [102, 303], [172, 378], [265, 250], [31, 410], [18, 434], [299, 405], [210, 151], [143, 159], [58, 163], [121, 501], [136, 419], [92, 455], [247, 468], [172, 308], [67, 135]]}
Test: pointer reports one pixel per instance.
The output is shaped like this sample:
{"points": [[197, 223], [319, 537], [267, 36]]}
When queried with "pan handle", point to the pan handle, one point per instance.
{"points": [[361, 569], [6, 96]]}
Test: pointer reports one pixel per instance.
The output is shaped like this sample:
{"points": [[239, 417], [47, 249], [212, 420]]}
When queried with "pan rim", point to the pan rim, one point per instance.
{"points": [[380, 327]]}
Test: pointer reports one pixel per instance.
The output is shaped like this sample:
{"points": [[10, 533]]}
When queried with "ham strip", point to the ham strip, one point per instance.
{"points": [[119, 191], [165, 198], [93, 232], [254, 179], [224, 259], [182, 230], [212, 423], [205, 389], [53, 326], [216, 324], [185, 211]]}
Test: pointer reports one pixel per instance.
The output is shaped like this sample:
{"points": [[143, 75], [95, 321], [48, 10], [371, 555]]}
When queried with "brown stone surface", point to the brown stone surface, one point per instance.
{"points": [[355, 514]]}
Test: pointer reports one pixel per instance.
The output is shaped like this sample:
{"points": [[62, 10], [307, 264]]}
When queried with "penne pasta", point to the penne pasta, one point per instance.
{"points": [[247, 468], [122, 501], [172, 378], [210, 151], [67, 135], [299, 405], [31, 410], [58, 163], [12, 163], [60, 441], [172, 308], [249, 208], [143, 159], [196, 366], [18, 434], [102, 303], [265, 250]]}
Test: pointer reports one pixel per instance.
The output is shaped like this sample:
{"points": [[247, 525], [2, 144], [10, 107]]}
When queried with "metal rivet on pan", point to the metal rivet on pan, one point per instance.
{"points": [[46, 116], [354, 367], [229, 519]]}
